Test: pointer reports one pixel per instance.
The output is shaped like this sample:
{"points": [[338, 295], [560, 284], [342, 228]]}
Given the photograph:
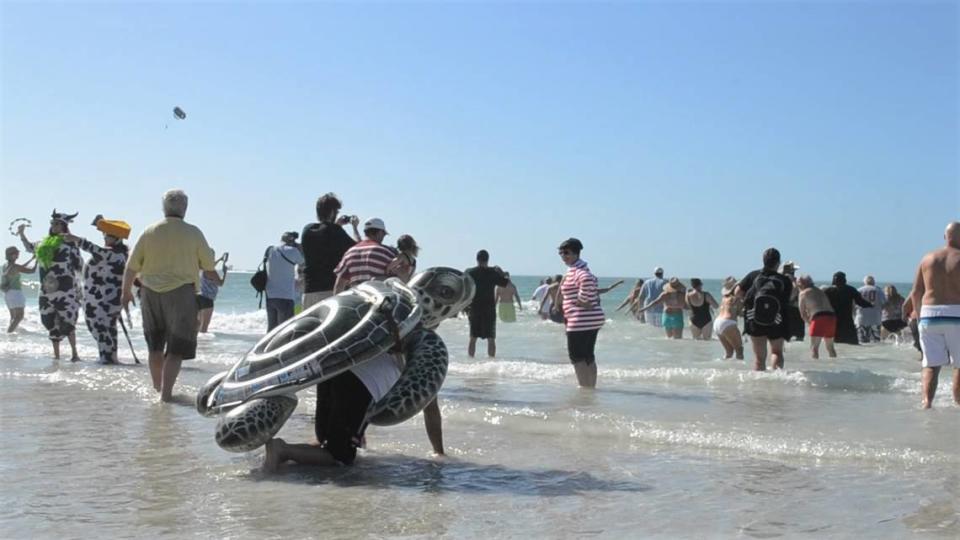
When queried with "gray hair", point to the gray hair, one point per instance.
{"points": [[869, 281], [175, 203], [805, 281]]}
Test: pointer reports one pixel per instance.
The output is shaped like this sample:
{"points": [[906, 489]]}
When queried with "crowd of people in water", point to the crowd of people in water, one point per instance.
{"points": [[174, 272]]}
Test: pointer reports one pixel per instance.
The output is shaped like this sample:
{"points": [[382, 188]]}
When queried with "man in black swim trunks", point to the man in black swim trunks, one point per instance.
{"points": [[766, 295], [483, 310]]}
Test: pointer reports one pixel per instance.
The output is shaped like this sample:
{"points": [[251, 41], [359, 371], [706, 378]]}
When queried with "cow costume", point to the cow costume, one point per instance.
{"points": [[102, 279], [60, 264]]}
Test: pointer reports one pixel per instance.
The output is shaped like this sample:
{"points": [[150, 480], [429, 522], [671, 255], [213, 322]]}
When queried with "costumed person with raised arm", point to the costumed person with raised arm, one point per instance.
{"points": [[60, 264], [102, 281]]}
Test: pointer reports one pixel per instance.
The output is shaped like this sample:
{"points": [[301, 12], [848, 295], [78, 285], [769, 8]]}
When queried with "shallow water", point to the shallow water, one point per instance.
{"points": [[676, 442]]}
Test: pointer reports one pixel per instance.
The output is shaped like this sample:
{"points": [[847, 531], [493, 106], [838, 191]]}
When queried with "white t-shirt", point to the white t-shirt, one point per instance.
{"points": [[281, 272], [538, 294], [378, 374]]}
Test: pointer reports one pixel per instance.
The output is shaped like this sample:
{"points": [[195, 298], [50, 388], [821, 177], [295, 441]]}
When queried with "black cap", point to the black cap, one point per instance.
{"points": [[572, 244], [292, 234]]}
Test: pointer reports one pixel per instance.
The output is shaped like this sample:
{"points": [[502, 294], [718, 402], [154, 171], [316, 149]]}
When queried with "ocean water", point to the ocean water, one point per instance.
{"points": [[674, 443]]}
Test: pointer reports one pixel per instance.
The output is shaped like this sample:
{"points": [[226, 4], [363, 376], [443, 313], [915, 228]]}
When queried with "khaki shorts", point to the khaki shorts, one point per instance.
{"points": [[312, 298], [170, 321]]}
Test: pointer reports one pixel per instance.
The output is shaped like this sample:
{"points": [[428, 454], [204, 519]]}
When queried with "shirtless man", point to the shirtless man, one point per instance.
{"points": [[937, 291], [505, 297], [815, 309]]}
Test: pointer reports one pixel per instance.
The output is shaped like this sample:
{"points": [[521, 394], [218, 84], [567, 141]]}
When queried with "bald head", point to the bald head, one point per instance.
{"points": [[952, 234]]}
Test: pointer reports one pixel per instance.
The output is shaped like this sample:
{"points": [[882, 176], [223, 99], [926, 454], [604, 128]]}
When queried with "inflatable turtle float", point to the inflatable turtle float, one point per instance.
{"points": [[258, 394]]}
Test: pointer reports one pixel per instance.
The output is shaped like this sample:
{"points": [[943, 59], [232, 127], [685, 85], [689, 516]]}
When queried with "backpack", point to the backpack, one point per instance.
{"points": [[259, 279], [764, 298]]}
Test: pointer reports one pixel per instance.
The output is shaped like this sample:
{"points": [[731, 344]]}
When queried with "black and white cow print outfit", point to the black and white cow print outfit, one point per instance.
{"points": [[102, 278], [60, 292]]}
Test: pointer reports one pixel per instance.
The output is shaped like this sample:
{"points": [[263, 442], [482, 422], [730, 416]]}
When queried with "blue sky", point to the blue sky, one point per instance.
{"points": [[685, 135]]}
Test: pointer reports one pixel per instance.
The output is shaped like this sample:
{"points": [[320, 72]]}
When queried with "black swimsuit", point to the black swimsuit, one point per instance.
{"points": [[701, 314]]}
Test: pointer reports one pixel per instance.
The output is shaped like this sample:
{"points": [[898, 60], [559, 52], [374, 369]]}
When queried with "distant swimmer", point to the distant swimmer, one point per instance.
{"points": [[794, 321], [539, 295], [631, 299], [766, 295], [892, 320], [816, 310], [842, 298], [506, 295], [700, 303], [936, 290], [868, 318], [11, 287], [673, 300], [725, 327], [549, 304], [649, 292]]}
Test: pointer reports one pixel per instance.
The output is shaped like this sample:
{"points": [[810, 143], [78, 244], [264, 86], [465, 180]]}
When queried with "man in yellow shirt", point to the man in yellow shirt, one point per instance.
{"points": [[168, 257]]}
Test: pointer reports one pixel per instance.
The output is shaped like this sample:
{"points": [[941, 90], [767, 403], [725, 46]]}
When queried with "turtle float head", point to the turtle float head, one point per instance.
{"points": [[442, 293]]}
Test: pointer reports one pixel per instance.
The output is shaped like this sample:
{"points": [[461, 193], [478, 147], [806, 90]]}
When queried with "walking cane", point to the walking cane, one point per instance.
{"points": [[129, 342]]}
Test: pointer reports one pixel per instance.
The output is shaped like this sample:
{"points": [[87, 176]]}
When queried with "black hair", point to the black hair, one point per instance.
{"points": [[696, 283], [573, 245], [326, 205], [771, 259], [839, 279], [483, 256], [406, 243]]}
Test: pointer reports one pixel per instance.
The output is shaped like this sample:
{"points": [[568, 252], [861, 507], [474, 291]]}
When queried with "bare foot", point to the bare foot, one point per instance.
{"points": [[271, 460]]}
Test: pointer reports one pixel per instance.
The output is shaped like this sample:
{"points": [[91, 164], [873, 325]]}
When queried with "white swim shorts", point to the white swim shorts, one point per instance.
{"points": [[14, 299], [940, 335]]}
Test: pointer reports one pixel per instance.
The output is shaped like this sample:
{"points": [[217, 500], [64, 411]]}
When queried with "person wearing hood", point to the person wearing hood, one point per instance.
{"points": [[60, 263], [842, 298], [102, 281]]}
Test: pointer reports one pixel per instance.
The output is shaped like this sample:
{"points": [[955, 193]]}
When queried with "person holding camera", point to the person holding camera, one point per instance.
{"points": [[282, 260], [324, 244]]}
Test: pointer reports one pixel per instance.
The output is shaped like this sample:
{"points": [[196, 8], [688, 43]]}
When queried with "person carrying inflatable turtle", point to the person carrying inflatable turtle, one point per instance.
{"points": [[102, 281], [60, 263]]}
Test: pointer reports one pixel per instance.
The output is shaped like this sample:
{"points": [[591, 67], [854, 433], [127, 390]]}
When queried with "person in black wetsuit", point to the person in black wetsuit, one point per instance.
{"points": [[842, 297], [483, 310]]}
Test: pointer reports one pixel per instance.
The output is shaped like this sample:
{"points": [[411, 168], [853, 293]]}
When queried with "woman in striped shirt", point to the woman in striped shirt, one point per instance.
{"points": [[581, 309]]}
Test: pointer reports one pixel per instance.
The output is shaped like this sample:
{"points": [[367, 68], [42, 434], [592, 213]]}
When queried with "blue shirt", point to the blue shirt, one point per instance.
{"points": [[281, 272], [650, 290]]}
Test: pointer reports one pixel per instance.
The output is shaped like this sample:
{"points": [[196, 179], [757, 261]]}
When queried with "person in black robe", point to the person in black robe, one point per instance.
{"points": [[842, 297]]}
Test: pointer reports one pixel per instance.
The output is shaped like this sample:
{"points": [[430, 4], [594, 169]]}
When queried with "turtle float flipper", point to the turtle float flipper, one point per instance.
{"points": [[421, 379], [251, 425]]}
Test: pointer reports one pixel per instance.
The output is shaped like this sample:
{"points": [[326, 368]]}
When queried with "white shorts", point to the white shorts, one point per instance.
{"points": [[940, 335], [14, 299], [720, 325]]}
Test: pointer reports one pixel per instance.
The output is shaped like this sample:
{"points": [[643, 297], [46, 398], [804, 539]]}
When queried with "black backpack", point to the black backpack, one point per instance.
{"points": [[764, 297], [259, 279]]}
